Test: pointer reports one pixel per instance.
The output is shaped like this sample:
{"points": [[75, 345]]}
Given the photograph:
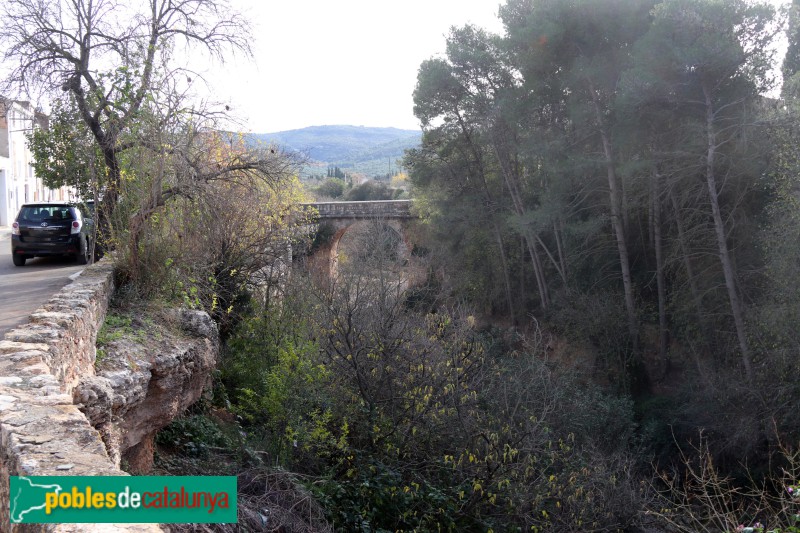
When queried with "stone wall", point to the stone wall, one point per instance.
{"points": [[41, 431]]}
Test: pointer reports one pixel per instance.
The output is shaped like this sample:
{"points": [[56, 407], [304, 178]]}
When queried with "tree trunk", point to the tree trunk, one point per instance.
{"points": [[617, 222], [530, 240], [687, 264], [544, 292], [523, 289], [506, 279], [107, 144], [722, 242], [557, 230], [490, 205], [622, 247], [626, 223], [663, 332]]}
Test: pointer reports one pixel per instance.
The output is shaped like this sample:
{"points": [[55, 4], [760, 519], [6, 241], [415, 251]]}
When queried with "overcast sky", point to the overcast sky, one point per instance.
{"points": [[326, 62], [321, 62]]}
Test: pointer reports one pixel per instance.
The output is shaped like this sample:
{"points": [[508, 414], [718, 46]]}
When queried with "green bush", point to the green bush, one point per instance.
{"points": [[193, 435], [331, 188], [271, 377], [376, 497]]}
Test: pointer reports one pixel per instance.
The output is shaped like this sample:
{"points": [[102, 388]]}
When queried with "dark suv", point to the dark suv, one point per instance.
{"points": [[51, 229]]}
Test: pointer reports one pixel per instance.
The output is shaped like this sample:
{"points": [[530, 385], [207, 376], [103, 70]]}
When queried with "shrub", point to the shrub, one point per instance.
{"points": [[703, 499]]}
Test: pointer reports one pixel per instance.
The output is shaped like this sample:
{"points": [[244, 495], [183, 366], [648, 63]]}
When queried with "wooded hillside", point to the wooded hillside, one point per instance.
{"points": [[369, 151]]}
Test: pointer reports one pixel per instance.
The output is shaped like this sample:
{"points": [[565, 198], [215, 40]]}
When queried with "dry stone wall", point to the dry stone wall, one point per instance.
{"points": [[42, 432]]}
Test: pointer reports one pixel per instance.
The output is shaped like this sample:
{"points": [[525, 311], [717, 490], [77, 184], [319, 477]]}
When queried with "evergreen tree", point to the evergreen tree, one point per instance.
{"points": [[791, 63]]}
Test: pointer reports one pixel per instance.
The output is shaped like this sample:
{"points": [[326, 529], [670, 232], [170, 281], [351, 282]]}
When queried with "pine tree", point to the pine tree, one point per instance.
{"points": [[791, 63]]}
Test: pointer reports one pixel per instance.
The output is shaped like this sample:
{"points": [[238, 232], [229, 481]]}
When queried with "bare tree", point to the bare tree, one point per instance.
{"points": [[111, 57], [232, 207]]}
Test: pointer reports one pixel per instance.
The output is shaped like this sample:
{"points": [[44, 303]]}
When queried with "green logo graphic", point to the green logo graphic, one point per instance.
{"points": [[123, 499]]}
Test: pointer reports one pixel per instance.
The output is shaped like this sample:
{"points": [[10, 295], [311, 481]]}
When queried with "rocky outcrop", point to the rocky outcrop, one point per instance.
{"points": [[146, 379]]}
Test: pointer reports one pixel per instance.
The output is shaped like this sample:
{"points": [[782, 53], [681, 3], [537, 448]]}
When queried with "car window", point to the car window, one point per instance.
{"points": [[30, 214], [48, 213]]}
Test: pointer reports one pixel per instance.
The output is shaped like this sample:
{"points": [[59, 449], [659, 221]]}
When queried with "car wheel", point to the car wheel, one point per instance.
{"points": [[84, 254], [19, 259]]}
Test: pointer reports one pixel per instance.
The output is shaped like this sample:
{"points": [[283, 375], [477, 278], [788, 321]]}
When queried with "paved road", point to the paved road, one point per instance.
{"points": [[25, 289]]}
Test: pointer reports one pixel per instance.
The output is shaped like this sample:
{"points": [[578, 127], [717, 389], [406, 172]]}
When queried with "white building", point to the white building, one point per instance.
{"points": [[18, 182]]}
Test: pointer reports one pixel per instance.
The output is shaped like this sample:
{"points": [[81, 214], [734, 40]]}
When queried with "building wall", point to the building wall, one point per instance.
{"points": [[18, 182]]}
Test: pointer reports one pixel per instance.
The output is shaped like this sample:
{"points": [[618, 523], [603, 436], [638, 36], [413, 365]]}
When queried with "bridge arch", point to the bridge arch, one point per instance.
{"points": [[384, 220], [374, 242]]}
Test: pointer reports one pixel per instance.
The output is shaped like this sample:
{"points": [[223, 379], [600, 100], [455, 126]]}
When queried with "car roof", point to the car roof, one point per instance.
{"points": [[50, 204]]}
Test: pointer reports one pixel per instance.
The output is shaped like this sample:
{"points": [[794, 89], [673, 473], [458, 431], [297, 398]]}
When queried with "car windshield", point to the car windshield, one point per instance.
{"points": [[38, 213]]}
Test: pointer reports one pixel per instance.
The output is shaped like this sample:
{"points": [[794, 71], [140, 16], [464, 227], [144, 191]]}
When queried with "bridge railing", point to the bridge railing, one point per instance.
{"points": [[368, 209]]}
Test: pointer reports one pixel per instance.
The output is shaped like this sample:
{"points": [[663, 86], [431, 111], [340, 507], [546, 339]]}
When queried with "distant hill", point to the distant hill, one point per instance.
{"points": [[371, 151]]}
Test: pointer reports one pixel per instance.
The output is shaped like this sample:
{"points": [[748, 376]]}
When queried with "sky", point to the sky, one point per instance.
{"points": [[324, 62]]}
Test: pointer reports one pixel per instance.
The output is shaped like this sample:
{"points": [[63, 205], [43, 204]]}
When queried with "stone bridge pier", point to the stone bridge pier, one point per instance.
{"points": [[339, 220]]}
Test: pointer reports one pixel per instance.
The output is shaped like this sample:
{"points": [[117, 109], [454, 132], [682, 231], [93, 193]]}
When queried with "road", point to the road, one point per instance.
{"points": [[25, 289]]}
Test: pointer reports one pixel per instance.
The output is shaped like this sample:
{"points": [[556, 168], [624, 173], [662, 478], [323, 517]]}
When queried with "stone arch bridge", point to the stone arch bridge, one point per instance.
{"points": [[336, 219]]}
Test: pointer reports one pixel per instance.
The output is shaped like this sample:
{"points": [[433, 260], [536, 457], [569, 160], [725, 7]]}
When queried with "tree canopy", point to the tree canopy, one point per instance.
{"points": [[608, 152], [117, 62]]}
